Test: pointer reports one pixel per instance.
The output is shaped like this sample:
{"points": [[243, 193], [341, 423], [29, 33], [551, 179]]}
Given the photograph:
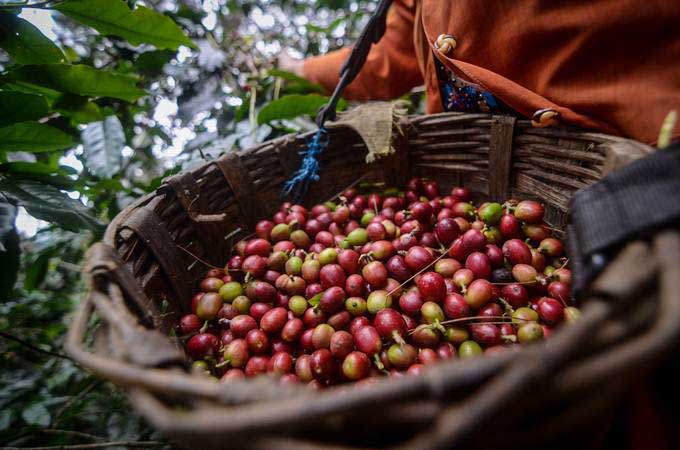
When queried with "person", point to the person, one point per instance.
{"points": [[612, 66]]}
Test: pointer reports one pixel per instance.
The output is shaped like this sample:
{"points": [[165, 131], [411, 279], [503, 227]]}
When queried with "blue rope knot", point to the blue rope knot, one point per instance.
{"points": [[309, 170]]}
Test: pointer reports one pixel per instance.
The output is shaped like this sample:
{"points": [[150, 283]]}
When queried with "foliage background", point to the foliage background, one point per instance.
{"points": [[117, 109]]}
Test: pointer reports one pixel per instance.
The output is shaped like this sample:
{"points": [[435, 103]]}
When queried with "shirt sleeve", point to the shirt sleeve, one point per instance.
{"points": [[391, 67]]}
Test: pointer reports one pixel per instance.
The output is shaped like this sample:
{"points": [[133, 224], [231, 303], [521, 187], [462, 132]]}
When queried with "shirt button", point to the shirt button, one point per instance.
{"points": [[445, 43], [545, 118]]}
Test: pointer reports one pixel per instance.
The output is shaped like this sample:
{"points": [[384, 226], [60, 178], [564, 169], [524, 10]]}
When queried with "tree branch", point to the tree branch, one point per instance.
{"points": [[132, 444], [34, 348], [78, 434]]}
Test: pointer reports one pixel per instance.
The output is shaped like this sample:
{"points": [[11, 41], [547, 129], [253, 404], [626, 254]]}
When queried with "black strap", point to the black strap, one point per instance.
{"points": [[374, 31], [631, 202]]}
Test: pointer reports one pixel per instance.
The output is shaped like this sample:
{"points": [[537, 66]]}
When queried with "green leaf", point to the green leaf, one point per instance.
{"points": [[103, 143], [9, 247], [19, 107], [78, 79], [291, 106], [33, 137], [298, 84], [25, 44], [37, 414], [36, 271], [151, 63], [35, 168], [78, 108], [46, 202], [50, 95], [138, 26]]}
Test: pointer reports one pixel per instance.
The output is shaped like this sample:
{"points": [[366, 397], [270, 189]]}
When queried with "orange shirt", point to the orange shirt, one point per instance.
{"points": [[611, 65]]}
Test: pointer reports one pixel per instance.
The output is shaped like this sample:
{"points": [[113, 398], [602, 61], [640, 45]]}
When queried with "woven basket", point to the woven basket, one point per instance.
{"points": [[559, 393]]}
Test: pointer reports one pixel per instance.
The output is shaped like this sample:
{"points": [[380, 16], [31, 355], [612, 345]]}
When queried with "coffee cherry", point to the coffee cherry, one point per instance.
{"points": [[349, 261], [432, 312], [355, 286], [515, 294], [297, 304], [485, 334], [281, 363], [339, 320], [303, 368], [211, 284], [571, 314], [524, 273], [232, 374], [410, 302], [208, 306], [397, 268], [274, 320], [357, 237], [378, 300], [254, 265], [258, 246], [469, 349], [237, 353], [479, 264], [189, 323], [322, 365], [529, 332], [332, 300], [424, 336], [367, 340], [456, 335], [332, 275], [431, 287], [473, 241], [202, 345], [491, 213], [292, 330], [455, 306], [256, 365], [241, 325], [523, 315], [341, 344], [402, 356], [517, 252], [509, 226], [536, 232], [529, 211], [355, 305], [390, 324], [356, 366], [257, 341], [417, 258], [313, 316], [242, 304], [446, 350], [550, 310], [446, 267], [321, 337], [551, 247], [462, 278], [479, 293], [375, 274]]}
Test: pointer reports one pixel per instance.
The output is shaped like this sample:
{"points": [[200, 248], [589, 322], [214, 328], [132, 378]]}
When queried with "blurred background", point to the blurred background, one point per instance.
{"points": [[92, 151]]}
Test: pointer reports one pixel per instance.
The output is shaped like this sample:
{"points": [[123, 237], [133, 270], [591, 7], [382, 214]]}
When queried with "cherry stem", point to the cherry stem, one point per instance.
{"points": [[397, 338], [204, 327], [501, 320], [379, 364], [419, 272], [351, 185], [205, 263], [516, 282]]}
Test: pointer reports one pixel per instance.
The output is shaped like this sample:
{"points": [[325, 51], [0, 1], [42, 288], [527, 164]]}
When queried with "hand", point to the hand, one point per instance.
{"points": [[290, 64]]}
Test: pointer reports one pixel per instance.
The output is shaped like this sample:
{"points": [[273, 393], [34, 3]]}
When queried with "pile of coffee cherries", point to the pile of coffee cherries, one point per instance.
{"points": [[379, 283]]}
